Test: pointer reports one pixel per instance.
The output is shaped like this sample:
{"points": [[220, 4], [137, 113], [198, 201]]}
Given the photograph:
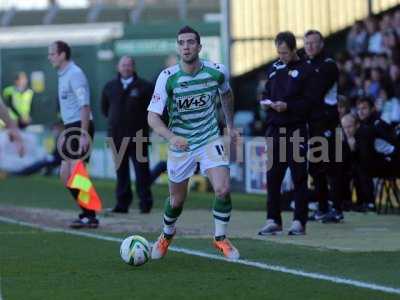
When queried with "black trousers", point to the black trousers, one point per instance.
{"points": [[325, 168], [123, 191], [282, 152], [364, 185]]}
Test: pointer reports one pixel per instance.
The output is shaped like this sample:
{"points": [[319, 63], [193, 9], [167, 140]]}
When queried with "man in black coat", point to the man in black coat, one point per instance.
{"points": [[124, 103], [322, 124], [287, 99]]}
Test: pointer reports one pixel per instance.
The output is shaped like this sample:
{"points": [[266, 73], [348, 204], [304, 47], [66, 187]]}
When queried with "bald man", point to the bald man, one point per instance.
{"points": [[124, 103], [350, 124], [376, 155]]}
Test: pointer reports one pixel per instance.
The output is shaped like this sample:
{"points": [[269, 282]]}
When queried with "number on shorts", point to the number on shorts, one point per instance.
{"points": [[220, 149]]}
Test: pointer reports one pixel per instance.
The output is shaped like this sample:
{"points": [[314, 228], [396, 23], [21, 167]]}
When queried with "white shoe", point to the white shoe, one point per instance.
{"points": [[270, 228], [297, 228]]}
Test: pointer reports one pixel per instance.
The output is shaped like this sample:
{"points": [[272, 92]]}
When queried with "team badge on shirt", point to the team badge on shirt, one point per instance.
{"points": [[134, 93], [294, 73]]}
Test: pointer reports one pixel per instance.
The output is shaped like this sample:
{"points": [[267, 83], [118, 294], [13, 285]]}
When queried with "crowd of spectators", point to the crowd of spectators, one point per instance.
{"points": [[370, 66]]}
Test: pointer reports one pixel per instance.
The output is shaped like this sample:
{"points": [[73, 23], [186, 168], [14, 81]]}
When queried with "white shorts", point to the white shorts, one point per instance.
{"points": [[182, 165]]}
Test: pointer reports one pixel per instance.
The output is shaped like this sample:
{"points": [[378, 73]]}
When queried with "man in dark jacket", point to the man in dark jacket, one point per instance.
{"points": [[323, 121], [287, 98], [124, 103], [366, 112], [374, 125], [377, 156]]}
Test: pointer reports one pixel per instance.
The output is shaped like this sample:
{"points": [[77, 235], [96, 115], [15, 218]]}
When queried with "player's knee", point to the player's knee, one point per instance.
{"points": [[222, 191], [176, 201]]}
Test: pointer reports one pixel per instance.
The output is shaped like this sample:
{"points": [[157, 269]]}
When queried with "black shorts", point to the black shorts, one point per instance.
{"points": [[68, 142]]}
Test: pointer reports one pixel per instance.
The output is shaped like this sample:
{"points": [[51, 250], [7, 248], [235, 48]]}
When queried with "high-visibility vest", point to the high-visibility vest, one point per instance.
{"points": [[22, 101]]}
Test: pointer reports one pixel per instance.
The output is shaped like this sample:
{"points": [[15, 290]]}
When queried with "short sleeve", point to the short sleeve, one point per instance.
{"points": [[160, 95], [80, 88], [224, 86]]}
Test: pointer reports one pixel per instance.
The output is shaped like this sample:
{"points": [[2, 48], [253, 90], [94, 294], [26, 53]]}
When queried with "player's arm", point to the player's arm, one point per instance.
{"points": [[13, 132], [227, 104], [265, 102], [5, 116], [158, 125]]}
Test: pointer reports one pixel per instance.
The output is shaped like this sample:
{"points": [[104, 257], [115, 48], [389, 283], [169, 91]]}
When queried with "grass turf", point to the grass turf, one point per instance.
{"points": [[40, 191], [42, 265]]}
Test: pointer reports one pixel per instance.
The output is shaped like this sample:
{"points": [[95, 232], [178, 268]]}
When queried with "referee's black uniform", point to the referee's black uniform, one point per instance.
{"points": [[292, 84]]}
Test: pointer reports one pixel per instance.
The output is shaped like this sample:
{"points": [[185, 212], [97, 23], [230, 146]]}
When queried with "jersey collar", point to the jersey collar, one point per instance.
{"points": [[192, 74]]}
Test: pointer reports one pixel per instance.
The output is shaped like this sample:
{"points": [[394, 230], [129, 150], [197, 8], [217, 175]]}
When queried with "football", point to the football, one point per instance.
{"points": [[135, 250]]}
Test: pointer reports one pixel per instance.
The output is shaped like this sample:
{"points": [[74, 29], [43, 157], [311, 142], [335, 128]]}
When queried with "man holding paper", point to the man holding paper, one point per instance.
{"points": [[287, 99]]}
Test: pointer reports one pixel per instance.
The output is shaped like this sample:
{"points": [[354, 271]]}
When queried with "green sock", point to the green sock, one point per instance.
{"points": [[171, 215], [222, 212]]}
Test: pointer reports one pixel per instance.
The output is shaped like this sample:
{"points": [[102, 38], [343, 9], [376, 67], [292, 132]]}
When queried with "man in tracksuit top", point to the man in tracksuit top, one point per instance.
{"points": [[74, 100], [287, 98], [324, 119]]}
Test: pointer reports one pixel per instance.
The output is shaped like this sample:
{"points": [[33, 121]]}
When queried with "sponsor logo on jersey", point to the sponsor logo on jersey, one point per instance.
{"points": [[192, 102]]}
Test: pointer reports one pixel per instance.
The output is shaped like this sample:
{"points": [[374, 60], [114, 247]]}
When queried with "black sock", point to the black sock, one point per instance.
{"points": [[220, 238]]}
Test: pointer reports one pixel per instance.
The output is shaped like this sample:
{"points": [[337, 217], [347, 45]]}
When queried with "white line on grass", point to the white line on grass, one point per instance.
{"points": [[255, 264]]}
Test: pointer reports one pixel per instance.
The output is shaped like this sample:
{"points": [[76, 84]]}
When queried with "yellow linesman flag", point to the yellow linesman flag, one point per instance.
{"points": [[79, 179]]}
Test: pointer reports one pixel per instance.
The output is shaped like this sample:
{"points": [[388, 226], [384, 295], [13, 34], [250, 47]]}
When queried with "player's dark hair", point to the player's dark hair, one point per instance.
{"points": [[286, 37], [63, 47], [188, 29], [313, 31]]}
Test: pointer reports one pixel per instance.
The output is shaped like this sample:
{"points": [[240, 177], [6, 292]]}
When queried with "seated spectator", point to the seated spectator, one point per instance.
{"points": [[357, 39], [374, 36], [394, 75], [368, 116], [390, 44], [396, 21], [344, 106], [373, 83], [376, 156]]}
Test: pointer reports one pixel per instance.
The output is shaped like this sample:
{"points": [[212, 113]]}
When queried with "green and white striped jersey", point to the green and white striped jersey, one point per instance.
{"points": [[191, 101]]}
